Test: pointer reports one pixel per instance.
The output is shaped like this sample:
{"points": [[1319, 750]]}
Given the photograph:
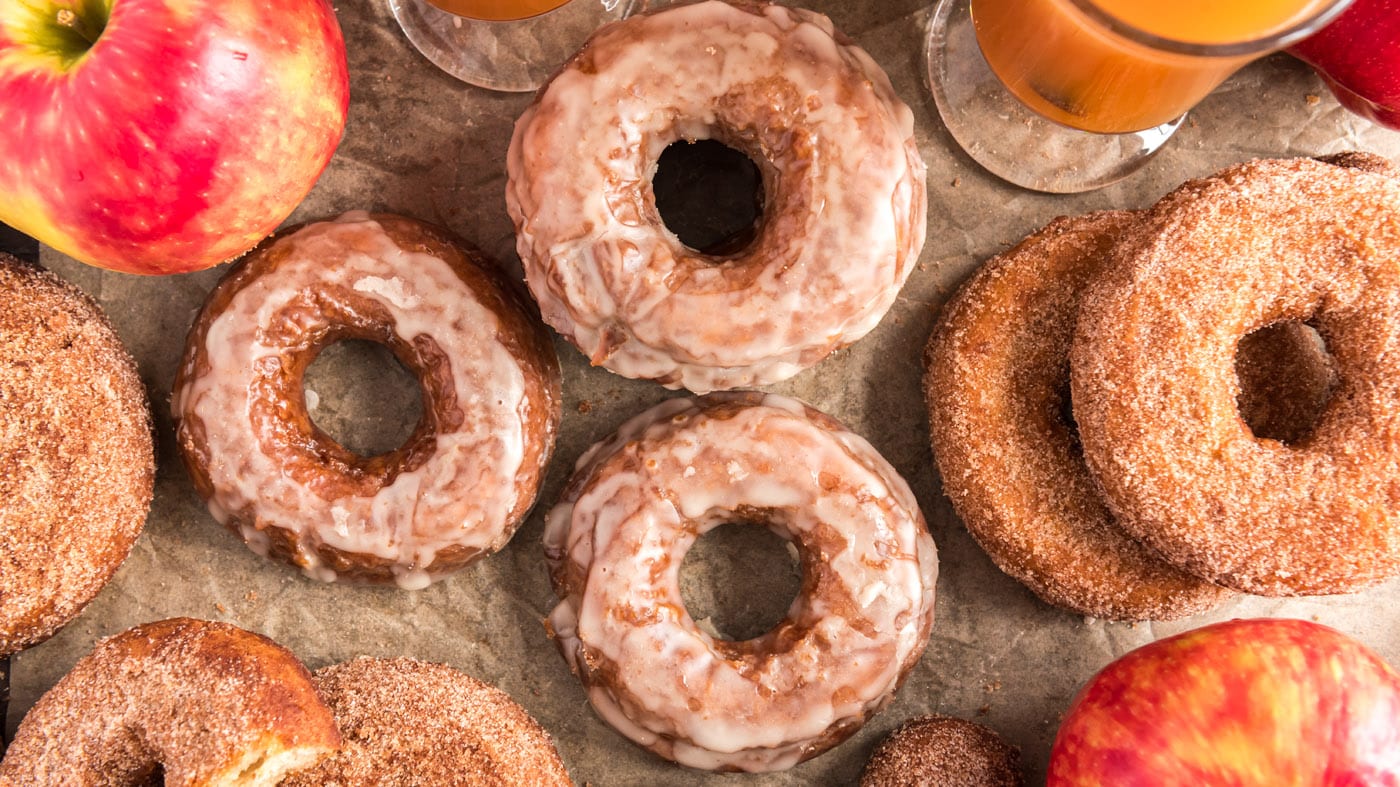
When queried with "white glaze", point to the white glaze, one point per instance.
{"points": [[626, 528], [462, 495], [824, 122]]}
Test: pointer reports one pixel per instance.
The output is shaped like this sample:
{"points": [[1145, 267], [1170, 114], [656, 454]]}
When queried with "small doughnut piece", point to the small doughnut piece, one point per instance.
{"points": [[843, 184], [409, 723], [77, 457], [466, 477], [997, 385], [208, 703], [640, 499], [1155, 389], [941, 751], [1360, 159]]}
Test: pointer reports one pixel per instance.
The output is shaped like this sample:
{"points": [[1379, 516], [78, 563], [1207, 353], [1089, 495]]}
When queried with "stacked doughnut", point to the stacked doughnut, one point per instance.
{"points": [[1234, 376], [206, 703]]}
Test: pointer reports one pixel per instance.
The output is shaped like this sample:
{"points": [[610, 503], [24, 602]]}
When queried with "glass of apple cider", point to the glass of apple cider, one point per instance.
{"points": [[507, 45], [1071, 95]]}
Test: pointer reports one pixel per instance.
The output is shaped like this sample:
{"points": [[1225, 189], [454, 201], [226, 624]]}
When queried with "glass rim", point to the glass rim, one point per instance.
{"points": [[1288, 35]]}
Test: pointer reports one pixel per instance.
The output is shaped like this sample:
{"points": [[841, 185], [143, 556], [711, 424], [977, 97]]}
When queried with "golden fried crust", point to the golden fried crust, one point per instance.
{"points": [[77, 459], [207, 702], [996, 385], [1155, 390], [939, 751]]}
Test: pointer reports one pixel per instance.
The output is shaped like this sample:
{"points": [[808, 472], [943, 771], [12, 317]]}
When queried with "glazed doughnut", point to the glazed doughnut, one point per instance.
{"points": [[1155, 394], [843, 221], [939, 751], [77, 458], [640, 499], [209, 703], [490, 384], [407, 722], [996, 384]]}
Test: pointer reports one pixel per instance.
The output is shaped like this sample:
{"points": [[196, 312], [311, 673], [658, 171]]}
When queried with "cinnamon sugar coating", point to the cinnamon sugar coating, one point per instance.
{"points": [[208, 703], [491, 402], [1155, 389], [1360, 159], [940, 751], [409, 723], [640, 499], [77, 458], [996, 384], [845, 196]]}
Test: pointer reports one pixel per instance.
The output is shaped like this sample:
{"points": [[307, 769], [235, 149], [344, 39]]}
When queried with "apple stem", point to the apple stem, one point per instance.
{"points": [[72, 21]]}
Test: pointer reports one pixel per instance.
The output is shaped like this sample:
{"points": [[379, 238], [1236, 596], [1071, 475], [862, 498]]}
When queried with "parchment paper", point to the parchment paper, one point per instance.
{"points": [[422, 144]]}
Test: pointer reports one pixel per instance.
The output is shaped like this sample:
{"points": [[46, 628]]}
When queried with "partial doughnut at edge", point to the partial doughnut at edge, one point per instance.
{"points": [[77, 455], [941, 751], [409, 723], [209, 703], [1155, 393], [996, 385]]}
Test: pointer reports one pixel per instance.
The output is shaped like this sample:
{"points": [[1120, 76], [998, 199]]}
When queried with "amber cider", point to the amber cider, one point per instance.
{"points": [[497, 10], [1115, 66]]}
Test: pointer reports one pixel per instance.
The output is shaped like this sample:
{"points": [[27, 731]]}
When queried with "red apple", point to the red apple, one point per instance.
{"points": [[1358, 56], [1244, 703], [156, 136]]}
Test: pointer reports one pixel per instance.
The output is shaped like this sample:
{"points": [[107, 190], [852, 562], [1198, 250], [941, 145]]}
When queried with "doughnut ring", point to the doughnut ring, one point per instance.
{"points": [[207, 702], [410, 722], [996, 384], [77, 456], [1258, 243], [943, 752], [491, 402], [845, 197], [636, 503]]}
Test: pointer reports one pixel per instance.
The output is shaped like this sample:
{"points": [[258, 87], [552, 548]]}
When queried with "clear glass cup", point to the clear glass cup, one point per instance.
{"points": [[1070, 95], [506, 45]]}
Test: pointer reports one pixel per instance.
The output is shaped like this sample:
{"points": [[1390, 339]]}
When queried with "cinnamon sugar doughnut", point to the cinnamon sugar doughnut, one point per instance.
{"points": [[1155, 391], [640, 499], [940, 751], [77, 459], [844, 189], [996, 384], [1286, 375], [466, 477], [407, 723], [209, 703]]}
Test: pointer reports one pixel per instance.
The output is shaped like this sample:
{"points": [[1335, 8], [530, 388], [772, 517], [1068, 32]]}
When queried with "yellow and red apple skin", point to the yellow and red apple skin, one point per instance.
{"points": [[1266, 703], [1358, 56], [187, 133]]}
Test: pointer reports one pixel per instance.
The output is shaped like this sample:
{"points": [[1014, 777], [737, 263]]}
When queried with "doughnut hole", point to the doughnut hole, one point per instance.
{"points": [[1286, 378], [362, 397], [765, 578], [709, 195]]}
